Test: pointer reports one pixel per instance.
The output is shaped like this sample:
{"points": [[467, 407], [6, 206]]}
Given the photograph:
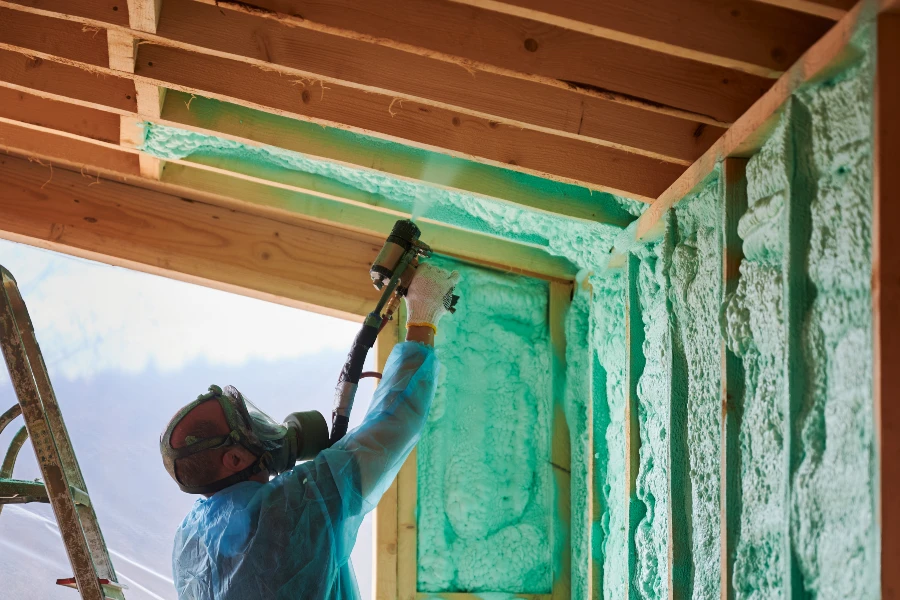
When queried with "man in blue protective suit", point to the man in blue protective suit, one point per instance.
{"points": [[291, 536]]}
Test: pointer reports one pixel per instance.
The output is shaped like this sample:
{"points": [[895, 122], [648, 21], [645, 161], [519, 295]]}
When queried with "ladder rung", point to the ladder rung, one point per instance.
{"points": [[17, 491], [109, 587]]}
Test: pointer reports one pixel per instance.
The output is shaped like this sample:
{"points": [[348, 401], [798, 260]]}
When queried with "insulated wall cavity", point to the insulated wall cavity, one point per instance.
{"points": [[650, 579], [485, 493], [608, 345], [756, 331], [801, 321], [579, 391], [833, 522], [695, 280]]}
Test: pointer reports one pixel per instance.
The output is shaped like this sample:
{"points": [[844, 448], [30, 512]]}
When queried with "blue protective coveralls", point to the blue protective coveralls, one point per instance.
{"points": [[291, 537]]}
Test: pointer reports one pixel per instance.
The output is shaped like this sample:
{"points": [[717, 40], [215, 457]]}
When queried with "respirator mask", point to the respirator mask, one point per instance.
{"points": [[277, 446]]}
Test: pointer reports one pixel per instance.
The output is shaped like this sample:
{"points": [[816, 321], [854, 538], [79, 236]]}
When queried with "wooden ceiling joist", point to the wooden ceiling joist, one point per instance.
{"points": [[33, 74], [739, 34], [610, 96], [563, 158], [549, 113], [24, 107], [828, 9], [588, 63], [251, 127]]}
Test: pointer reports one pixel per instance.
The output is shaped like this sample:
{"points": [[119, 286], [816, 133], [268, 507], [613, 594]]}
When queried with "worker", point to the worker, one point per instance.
{"points": [[290, 536]]}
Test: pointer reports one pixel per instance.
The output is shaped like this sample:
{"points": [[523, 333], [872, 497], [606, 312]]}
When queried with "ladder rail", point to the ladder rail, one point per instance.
{"points": [[60, 434], [24, 382]]}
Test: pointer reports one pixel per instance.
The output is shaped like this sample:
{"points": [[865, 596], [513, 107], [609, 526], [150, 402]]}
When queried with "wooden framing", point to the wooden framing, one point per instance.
{"points": [[886, 298], [310, 266], [829, 9], [487, 137], [627, 125], [700, 88], [257, 128], [734, 192], [561, 446], [745, 137], [729, 38], [386, 532]]}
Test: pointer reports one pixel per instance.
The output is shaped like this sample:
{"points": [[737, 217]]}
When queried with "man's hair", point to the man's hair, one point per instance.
{"points": [[203, 467]]}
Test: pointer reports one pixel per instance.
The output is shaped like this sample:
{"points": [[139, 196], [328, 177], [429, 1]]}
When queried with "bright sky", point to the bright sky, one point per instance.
{"points": [[94, 314], [125, 349]]}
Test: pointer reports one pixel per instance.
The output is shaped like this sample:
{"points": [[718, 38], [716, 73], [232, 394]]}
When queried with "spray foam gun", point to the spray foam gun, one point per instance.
{"points": [[392, 272]]}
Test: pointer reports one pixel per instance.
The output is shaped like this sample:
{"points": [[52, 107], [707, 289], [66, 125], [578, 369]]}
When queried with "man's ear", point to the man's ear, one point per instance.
{"points": [[234, 460]]}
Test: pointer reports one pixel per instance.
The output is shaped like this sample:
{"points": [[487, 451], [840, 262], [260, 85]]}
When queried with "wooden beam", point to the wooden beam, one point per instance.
{"points": [[59, 37], [312, 267], [255, 127], [35, 142], [574, 110], [384, 558], [407, 502], [443, 130], [561, 447], [143, 15], [827, 9], [546, 104], [21, 106], [508, 47], [286, 195], [886, 297], [739, 34], [734, 185], [827, 56], [40, 76], [543, 103]]}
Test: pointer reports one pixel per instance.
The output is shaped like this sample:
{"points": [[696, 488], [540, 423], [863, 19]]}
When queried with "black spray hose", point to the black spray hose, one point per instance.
{"points": [[345, 392]]}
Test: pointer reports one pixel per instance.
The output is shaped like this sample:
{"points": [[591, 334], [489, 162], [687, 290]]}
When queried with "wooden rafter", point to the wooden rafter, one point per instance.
{"points": [[739, 34], [257, 128], [569, 159], [664, 81], [829, 9], [513, 105], [548, 129]]}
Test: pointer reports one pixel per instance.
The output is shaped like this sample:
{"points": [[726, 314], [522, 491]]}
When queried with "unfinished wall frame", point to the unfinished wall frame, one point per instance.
{"points": [[396, 536]]}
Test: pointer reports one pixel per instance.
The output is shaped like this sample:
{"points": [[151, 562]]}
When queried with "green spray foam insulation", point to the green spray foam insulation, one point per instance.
{"points": [[584, 243], [833, 518], [653, 394], [801, 323], [485, 487], [695, 280], [606, 340]]}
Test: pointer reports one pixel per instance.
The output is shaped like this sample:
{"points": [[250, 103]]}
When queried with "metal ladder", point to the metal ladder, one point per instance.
{"points": [[63, 485]]}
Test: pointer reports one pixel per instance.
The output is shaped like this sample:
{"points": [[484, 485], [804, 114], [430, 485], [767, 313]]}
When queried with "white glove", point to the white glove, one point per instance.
{"points": [[430, 295]]}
